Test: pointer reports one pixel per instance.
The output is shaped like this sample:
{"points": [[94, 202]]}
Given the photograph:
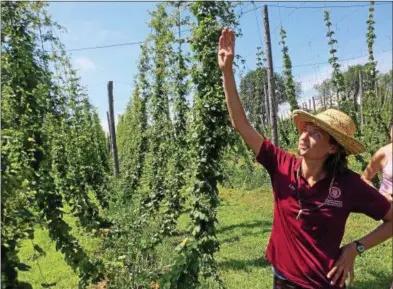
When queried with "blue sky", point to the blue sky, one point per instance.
{"points": [[91, 24]]}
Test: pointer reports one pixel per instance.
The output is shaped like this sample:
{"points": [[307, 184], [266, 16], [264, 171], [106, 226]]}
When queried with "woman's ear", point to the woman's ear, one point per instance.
{"points": [[332, 149]]}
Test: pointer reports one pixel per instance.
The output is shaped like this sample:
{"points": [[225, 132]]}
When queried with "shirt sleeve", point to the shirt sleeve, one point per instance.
{"points": [[370, 201], [271, 157]]}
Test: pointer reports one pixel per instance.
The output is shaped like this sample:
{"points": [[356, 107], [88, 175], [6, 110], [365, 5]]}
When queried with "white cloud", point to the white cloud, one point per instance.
{"points": [[84, 64], [384, 64], [308, 80]]}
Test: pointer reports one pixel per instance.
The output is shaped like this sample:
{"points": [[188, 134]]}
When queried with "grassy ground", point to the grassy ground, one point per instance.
{"points": [[50, 270], [243, 231]]}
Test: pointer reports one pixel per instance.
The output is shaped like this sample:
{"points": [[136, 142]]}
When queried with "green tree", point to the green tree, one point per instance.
{"points": [[252, 92], [290, 89], [337, 78], [210, 123], [177, 166], [162, 133], [35, 117]]}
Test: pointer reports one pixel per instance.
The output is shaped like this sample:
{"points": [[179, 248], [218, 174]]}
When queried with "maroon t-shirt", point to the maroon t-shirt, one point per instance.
{"points": [[305, 250]]}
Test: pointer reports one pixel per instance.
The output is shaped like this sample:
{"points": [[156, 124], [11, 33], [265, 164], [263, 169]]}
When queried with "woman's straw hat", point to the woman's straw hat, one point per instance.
{"points": [[336, 123]]}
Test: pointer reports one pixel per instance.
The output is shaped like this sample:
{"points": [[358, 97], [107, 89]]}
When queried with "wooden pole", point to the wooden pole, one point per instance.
{"points": [[109, 134], [266, 105], [108, 139], [112, 128], [385, 97], [313, 104], [270, 73], [323, 100]]}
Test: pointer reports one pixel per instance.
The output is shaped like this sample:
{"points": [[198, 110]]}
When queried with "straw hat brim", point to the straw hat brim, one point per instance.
{"points": [[352, 145]]}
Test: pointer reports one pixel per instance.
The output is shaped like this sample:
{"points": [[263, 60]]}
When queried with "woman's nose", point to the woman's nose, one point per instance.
{"points": [[305, 134]]}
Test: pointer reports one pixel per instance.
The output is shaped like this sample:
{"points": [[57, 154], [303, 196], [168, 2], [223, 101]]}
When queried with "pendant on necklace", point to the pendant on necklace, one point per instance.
{"points": [[298, 215]]}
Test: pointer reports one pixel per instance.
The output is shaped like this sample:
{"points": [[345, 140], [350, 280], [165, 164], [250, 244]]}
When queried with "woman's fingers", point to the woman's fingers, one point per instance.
{"points": [[351, 277], [331, 272], [226, 37], [344, 277], [337, 275], [221, 42], [232, 37], [232, 41], [226, 41]]}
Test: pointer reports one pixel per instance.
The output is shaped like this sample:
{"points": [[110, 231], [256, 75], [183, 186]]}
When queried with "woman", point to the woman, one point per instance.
{"points": [[314, 192], [381, 161]]}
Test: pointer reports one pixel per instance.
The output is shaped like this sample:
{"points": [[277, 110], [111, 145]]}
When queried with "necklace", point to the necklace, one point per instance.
{"points": [[298, 194]]}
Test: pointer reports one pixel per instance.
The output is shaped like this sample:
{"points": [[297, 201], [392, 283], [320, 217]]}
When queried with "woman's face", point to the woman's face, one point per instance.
{"points": [[314, 143]]}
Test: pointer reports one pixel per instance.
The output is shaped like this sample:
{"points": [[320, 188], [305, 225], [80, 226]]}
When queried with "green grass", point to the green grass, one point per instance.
{"points": [[51, 270], [244, 230], [245, 219], [245, 223]]}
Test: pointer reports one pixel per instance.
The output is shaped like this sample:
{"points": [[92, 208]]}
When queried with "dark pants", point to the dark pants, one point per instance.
{"points": [[284, 284]]}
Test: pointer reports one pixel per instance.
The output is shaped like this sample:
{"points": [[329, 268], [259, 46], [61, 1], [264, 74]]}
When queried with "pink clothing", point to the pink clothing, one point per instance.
{"points": [[387, 175]]}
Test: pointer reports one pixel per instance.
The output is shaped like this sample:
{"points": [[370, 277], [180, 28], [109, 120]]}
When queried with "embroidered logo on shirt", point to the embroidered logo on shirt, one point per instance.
{"points": [[334, 193]]}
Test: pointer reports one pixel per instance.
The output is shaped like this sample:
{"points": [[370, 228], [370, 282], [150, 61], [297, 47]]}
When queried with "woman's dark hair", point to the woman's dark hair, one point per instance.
{"points": [[337, 162]]}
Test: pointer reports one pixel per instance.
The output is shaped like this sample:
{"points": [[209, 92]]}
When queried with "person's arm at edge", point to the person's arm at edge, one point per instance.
{"points": [[373, 167], [250, 135]]}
